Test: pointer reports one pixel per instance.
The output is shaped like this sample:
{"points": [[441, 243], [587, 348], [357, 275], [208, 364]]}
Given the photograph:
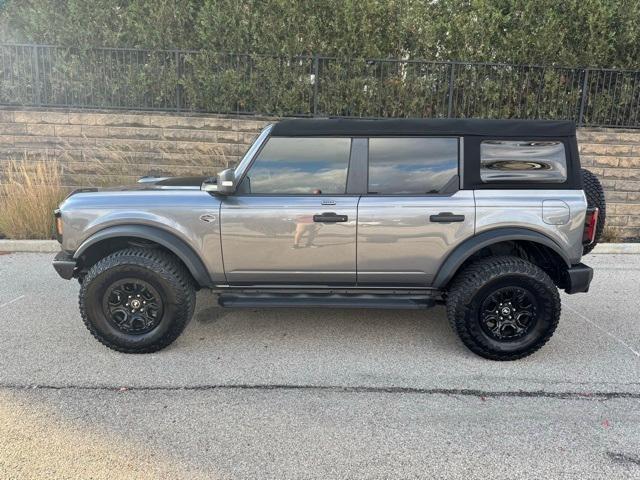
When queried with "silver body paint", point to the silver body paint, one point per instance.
{"points": [[273, 239], [397, 242], [536, 210], [175, 211], [246, 239]]}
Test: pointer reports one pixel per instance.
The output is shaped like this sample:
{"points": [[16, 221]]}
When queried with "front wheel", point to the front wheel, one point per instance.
{"points": [[137, 300], [503, 308]]}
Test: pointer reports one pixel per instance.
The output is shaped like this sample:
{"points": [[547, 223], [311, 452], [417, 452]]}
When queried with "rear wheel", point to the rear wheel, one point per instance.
{"points": [[595, 198], [137, 300], [503, 308]]}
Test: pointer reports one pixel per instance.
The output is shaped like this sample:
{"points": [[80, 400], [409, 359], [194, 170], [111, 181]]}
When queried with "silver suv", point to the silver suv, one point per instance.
{"points": [[489, 218]]}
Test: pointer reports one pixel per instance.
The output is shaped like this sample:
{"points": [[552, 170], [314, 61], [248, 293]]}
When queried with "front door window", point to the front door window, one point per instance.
{"points": [[300, 166]]}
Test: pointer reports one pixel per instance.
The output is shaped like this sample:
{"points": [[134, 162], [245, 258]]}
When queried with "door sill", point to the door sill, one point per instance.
{"points": [[413, 301], [326, 289]]}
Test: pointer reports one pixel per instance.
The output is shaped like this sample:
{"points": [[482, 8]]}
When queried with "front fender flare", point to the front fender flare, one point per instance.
{"points": [[166, 239], [467, 248]]}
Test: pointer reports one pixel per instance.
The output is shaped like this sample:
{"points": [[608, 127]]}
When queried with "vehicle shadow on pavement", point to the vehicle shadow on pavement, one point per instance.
{"points": [[319, 330]]}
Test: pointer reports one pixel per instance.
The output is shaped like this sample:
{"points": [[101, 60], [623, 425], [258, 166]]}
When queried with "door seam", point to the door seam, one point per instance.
{"points": [[357, 226], [224, 268]]}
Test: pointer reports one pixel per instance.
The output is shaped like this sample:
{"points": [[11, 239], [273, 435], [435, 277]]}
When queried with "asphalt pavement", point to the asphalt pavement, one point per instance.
{"points": [[301, 393]]}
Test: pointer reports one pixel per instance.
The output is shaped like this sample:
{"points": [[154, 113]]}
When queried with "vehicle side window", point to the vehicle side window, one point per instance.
{"points": [[412, 165], [298, 165], [523, 160]]}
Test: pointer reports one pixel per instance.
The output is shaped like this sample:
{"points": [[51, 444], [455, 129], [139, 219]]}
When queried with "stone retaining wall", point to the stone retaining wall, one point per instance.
{"points": [[614, 156], [105, 148], [97, 148]]}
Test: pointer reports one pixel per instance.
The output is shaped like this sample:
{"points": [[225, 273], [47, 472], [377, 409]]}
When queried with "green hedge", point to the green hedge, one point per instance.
{"points": [[311, 57], [595, 33]]}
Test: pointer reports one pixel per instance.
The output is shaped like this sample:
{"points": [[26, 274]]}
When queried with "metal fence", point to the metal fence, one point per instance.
{"points": [[313, 85]]}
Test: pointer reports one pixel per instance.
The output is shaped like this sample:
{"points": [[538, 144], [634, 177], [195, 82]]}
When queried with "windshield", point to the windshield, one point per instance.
{"points": [[244, 163]]}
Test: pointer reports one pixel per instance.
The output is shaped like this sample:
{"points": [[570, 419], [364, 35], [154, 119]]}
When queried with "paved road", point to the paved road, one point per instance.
{"points": [[316, 394]]}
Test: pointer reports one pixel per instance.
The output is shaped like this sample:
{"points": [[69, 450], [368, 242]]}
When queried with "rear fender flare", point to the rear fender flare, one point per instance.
{"points": [[463, 251]]}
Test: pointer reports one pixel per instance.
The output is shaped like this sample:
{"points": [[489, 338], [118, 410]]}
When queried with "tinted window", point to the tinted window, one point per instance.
{"points": [[521, 160], [292, 165], [412, 166]]}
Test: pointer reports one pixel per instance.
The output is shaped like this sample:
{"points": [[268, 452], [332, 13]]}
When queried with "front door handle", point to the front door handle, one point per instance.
{"points": [[330, 217], [446, 217]]}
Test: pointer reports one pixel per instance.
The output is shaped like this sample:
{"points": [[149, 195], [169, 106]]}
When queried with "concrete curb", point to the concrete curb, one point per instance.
{"points": [[35, 246], [626, 248], [51, 246]]}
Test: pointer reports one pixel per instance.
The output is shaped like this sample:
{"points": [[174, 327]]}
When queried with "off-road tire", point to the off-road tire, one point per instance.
{"points": [[165, 273], [595, 198], [476, 282]]}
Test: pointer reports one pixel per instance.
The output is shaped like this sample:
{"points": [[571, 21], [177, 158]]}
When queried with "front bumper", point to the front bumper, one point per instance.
{"points": [[65, 265], [579, 278]]}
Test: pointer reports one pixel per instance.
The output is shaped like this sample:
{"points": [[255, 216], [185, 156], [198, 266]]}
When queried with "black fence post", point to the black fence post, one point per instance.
{"points": [[178, 78], [316, 80], [451, 82], [583, 97], [36, 75]]}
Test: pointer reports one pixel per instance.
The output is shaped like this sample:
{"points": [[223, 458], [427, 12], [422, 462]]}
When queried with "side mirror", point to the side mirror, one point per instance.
{"points": [[225, 183]]}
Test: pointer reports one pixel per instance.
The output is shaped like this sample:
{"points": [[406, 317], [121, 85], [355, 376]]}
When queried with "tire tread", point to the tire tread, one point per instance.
{"points": [[161, 263], [473, 277]]}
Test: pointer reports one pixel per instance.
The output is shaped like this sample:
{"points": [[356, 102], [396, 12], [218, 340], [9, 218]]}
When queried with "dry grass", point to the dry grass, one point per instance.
{"points": [[610, 235], [31, 188], [29, 192]]}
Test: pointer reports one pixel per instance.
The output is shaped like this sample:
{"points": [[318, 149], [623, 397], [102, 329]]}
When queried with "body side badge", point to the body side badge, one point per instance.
{"points": [[209, 218]]}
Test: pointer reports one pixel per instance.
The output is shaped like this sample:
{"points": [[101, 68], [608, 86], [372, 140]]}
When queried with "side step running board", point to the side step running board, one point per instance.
{"points": [[270, 300]]}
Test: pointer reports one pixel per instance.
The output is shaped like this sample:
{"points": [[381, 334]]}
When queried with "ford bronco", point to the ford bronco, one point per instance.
{"points": [[488, 217]]}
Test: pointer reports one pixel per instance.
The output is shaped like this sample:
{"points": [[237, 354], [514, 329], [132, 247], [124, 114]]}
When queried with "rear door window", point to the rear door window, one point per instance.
{"points": [[300, 165], [412, 165]]}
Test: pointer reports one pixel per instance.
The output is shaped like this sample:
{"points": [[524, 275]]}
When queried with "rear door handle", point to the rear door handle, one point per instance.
{"points": [[446, 217], [330, 217]]}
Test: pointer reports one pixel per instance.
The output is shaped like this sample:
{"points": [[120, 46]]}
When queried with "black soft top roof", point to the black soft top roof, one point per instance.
{"points": [[431, 126]]}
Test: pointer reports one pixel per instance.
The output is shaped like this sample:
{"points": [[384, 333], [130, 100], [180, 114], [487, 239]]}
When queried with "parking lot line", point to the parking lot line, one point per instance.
{"points": [[12, 301], [620, 341]]}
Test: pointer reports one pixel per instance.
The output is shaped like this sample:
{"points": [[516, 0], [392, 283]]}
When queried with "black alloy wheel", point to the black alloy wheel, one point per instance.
{"points": [[508, 313], [133, 306]]}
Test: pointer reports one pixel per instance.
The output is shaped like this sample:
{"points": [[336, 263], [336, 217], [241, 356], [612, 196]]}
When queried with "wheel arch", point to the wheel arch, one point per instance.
{"points": [[116, 237], [520, 240]]}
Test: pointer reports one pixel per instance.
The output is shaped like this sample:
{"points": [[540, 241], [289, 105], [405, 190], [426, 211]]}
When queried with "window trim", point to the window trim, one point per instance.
{"points": [[254, 149], [358, 172], [460, 162], [458, 175], [266, 141], [471, 161]]}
